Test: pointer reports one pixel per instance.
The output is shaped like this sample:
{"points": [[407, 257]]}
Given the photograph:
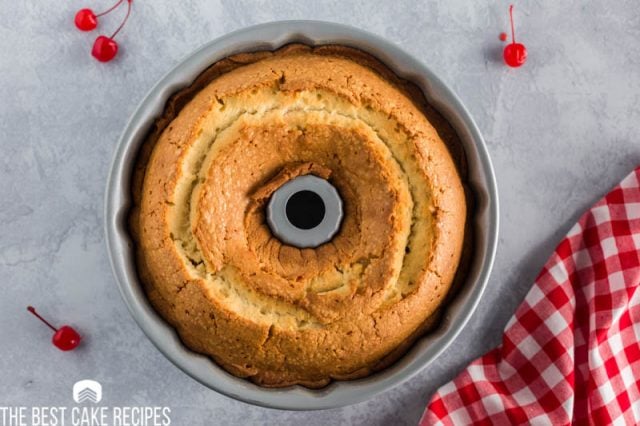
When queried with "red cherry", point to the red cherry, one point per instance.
{"points": [[86, 20], [65, 338], [515, 54], [503, 36], [104, 49]]}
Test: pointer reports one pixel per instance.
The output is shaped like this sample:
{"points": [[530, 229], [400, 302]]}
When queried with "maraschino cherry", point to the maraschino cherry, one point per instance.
{"points": [[86, 20], [65, 338], [106, 48], [515, 54]]}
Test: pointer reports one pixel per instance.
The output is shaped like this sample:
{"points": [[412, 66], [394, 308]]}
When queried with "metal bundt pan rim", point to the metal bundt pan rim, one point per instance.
{"points": [[341, 393]]}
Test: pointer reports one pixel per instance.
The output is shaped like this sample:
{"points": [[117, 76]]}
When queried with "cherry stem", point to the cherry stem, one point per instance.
{"points": [[110, 9], [125, 19], [513, 32], [33, 311]]}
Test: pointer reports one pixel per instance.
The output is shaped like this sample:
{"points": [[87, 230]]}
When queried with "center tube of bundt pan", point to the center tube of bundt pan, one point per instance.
{"points": [[305, 212]]}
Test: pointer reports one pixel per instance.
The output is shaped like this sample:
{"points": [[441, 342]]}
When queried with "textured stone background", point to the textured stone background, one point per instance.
{"points": [[561, 131]]}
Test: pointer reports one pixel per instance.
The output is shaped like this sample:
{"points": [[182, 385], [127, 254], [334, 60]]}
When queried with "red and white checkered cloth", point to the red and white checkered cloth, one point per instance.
{"points": [[571, 352]]}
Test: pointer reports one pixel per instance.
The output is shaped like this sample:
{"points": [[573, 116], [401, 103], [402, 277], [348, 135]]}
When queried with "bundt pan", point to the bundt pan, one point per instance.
{"points": [[468, 150]]}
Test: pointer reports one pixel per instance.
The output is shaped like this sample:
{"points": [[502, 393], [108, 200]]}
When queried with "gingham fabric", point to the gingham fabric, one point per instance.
{"points": [[571, 353]]}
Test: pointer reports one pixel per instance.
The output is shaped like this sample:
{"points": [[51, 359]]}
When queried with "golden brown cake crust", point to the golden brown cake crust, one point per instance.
{"points": [[273, 313]]}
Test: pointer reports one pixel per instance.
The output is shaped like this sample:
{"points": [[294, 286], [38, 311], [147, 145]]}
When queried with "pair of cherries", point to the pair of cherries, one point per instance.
{"points": [[104, 48]]}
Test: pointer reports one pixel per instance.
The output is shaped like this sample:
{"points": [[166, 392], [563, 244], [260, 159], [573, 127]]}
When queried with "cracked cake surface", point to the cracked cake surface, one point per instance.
{"points": [[270, 312]]}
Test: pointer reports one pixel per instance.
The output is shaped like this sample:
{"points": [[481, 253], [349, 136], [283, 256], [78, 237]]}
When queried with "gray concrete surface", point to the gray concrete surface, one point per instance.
{"points": [[561, 131]]}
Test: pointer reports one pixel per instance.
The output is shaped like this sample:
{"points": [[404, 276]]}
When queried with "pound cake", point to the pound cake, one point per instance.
{"points": [[273, 313]]}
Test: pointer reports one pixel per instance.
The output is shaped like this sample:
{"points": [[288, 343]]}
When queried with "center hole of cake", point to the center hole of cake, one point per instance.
{"points": [[305, 209]]}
